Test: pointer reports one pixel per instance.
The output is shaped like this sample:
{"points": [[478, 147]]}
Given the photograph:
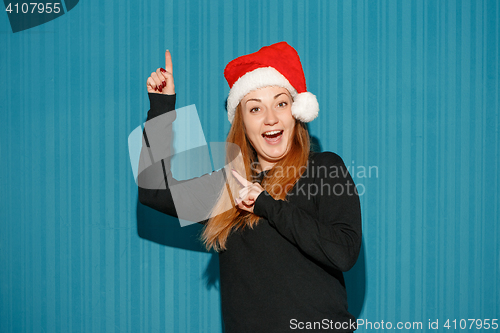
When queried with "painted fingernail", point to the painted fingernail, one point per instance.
{"points": [[164, 84], [160, 88], [162, 70]]}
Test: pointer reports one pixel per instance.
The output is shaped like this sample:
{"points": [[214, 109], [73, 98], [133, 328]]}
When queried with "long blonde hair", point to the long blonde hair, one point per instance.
{"points": [[278, 181]]}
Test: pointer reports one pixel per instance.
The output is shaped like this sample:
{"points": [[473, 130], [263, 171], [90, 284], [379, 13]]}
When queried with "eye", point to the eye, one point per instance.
{"points": [[282, 104], [253, 110]]}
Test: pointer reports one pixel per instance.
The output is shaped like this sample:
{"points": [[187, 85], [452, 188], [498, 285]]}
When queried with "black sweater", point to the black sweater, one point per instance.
{"points": [[285, 274]]}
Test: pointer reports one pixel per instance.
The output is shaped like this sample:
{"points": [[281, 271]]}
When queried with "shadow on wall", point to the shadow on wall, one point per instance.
{"points": [[166, 230], [355, 281]]}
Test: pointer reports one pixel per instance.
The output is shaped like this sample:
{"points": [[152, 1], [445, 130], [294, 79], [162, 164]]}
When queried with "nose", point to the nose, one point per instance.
{"points": [[271, 118]]}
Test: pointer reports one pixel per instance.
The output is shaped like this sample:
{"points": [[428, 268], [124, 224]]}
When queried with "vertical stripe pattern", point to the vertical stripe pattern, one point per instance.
{"points": [[409, 98]]}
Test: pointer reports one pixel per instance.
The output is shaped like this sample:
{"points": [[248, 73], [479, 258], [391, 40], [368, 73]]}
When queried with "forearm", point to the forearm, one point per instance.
{"points": [[154, 162], [334, 242], [332, 233], [191, 199]]}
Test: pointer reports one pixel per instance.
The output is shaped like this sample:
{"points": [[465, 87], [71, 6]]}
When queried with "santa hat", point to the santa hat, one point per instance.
{"points": [[274, 65]]}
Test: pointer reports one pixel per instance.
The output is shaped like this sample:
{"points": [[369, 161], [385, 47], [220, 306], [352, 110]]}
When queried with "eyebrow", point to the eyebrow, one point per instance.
{"points": [[259, 100]]}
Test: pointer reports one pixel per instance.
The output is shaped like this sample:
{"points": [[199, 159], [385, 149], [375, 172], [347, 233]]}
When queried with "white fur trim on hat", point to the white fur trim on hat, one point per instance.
{"points": [[258, 78], [305, 107]]}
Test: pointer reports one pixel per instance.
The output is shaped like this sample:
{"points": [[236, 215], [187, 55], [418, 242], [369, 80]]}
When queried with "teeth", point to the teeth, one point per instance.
{"points": [[271, 132]]}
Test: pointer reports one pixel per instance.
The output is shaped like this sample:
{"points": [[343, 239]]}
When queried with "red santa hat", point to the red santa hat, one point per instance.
{"points": [[274, 65]]}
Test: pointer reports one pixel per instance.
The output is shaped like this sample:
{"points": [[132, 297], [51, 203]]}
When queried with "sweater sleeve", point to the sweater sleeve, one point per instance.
{"points": [[333, 236], [152, 179], [191, 199]]}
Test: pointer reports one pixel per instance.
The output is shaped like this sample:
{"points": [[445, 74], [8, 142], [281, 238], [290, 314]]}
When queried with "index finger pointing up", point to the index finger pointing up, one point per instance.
{"points": [[168, 62]]}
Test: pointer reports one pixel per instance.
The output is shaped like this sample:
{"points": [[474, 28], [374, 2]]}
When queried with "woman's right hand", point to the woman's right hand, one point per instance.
{"points": [[162, 81]]}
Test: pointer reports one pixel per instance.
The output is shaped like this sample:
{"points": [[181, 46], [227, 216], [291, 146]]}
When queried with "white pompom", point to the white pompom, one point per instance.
{"points": [[305, 107]]}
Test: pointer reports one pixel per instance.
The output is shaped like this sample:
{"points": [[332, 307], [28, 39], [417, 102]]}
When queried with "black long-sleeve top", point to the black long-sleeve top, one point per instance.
{"points": [[285, 274]]}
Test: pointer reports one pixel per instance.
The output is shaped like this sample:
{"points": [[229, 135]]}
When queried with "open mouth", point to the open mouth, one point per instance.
{"points": [[272, 137]]}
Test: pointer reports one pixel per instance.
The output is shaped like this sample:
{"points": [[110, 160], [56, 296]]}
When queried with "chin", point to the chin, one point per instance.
{"points": [[274, 154], [271, 153]]}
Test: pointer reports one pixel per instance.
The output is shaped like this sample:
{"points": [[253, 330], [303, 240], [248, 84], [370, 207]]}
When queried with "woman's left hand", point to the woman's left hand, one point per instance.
{"points": [[248, 194]]}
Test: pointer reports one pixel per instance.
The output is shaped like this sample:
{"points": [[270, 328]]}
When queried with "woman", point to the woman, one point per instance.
{"points": [[296, 227]]}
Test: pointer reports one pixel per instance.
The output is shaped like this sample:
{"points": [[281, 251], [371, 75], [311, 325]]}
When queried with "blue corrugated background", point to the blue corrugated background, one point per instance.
{"points": [[411, 87]]}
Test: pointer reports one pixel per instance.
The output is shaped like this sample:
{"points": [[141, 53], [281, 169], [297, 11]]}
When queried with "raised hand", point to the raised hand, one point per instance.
{"points": [[248, 194], [162, 81]]}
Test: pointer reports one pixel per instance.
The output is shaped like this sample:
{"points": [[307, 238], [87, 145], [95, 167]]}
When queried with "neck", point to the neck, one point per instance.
{"points": [[264, 165]]}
